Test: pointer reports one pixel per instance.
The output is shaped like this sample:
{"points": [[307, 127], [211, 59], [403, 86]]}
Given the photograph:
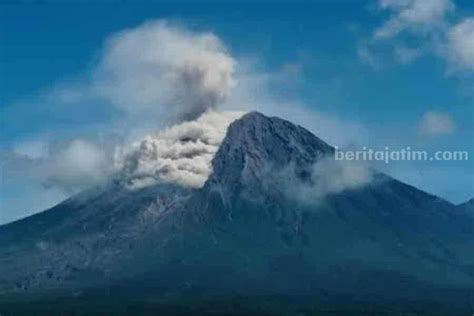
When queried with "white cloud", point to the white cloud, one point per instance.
{"points": [[164, 69], [406, 55], [331, 176], [76, 166], [419, 27], [436, 123], [327, 176], [461, 45], [419, 16], [67, 166], [416, 28]]}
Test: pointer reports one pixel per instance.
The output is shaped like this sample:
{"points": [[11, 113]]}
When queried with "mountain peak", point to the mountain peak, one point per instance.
{"points": [[256, 143]]}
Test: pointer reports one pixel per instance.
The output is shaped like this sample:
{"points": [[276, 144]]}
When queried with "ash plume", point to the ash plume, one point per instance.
{"points": [[166, 70], [181, 154]]}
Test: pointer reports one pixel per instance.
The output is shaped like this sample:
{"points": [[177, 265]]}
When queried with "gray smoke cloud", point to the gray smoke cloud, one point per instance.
{"points": [[159, 71], [164, 69], [180, 154]]}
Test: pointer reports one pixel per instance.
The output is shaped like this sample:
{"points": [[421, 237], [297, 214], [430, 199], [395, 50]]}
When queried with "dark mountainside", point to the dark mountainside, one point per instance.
{"points": [[467, 206], [246, 243]]}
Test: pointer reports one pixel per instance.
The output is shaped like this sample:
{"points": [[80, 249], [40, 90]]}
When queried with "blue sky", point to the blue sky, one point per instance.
{"points": [[372, 66]]}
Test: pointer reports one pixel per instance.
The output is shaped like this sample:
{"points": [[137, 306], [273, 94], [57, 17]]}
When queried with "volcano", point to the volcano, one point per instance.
{"points": [[268, 233]]}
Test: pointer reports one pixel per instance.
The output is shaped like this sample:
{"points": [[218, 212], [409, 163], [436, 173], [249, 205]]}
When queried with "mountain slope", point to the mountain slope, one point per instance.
{"points": [[249, 231], [467, 206], [380, 222]]}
